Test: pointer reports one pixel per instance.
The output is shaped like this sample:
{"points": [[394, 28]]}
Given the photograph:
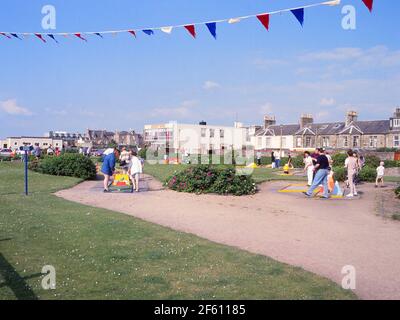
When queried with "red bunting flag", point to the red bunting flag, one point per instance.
{"points": [[264, 19], [5, 35], [132, 32], [192, 30], [369, 4], [40, 37], [80, 36]]}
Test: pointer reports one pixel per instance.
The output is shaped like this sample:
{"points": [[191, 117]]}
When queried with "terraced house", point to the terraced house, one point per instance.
{"points": [[350, 133]]}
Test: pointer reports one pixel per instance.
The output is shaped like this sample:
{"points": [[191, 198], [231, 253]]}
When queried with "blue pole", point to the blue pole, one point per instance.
{"points": [[26, 172]]}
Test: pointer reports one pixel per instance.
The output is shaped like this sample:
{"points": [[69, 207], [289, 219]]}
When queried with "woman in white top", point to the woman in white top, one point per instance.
{"points": [[309, 167], [135, 169]]}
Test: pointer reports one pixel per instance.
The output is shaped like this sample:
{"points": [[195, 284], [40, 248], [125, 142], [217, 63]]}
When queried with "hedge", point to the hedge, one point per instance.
{"points": [[68, 164], [211, 179], [367, 174]]}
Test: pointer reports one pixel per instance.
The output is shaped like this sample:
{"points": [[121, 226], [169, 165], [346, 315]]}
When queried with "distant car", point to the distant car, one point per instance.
{"points": [[6, 153]]}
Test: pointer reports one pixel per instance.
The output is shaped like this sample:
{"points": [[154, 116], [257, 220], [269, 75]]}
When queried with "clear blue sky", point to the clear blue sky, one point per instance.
{"points": [[122, 83]]}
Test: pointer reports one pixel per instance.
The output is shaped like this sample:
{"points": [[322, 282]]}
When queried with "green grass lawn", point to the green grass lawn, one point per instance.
{"points": [[99, 254], [161, 172]]}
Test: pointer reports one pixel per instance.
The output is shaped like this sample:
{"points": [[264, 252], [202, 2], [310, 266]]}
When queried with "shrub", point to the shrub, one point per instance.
{"points": [[339, 159], [298, 162], [340, 173], [372, 161], [392, 164], [397, 192], [368, 174], [143, 153], [210, 179], [71, 165]]}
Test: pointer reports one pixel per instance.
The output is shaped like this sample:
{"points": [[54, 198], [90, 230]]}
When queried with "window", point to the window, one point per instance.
{"points": [[396, 123], [212, 133], [299, 142], [248, 138], [373, 142], [345, 142], [325, 142], [283, 142], [308, 142], [203, 132], [396, 141], [15, 143], [268, 142], [259, 142], [221, 133], [356, 141]]}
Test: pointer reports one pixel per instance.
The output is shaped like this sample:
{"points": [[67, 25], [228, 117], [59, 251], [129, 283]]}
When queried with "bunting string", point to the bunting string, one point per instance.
{"points": [[264, 18]]}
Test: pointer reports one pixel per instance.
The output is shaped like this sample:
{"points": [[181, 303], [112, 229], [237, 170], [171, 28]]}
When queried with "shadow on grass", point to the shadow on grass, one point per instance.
{"points": [[15, 282]]}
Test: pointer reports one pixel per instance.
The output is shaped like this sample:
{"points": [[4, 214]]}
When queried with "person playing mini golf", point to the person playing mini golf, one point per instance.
{"points": [[108, 167]]}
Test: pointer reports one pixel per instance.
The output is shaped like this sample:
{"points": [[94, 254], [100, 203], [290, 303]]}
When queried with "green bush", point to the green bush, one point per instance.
{"points": [[143, 153], [392, 164], [397, 192], [298, 162], [339, 159], [68, 164], [340, 173], [210, 179], [368, 174], [372, 161]]}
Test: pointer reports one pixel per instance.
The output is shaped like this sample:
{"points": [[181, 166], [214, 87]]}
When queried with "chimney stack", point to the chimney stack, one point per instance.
{"points": [[352, 116], [397, 113], [306, 120], [269, 121]]}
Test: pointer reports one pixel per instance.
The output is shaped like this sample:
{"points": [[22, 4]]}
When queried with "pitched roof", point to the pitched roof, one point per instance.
{"points": [[332, 128]]}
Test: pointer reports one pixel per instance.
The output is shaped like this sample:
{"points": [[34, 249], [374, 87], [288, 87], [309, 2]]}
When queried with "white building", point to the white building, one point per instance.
{"points": [[43, 142], [197, 139]]}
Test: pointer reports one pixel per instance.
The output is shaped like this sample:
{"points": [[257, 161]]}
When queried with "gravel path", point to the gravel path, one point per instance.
{"points": [[321, 236]]}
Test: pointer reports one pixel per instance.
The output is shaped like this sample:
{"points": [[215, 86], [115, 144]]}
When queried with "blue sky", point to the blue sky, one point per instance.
{"points": [[122, 83]]}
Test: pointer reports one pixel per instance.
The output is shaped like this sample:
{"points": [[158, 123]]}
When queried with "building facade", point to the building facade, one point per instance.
{"points": [[103, 138], [14, 143], [197, 139], [351, 133]]}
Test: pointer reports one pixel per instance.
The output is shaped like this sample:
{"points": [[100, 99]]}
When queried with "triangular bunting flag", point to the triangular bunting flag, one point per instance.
{"points": [[99, 34], [5, 35], [212, 27], [15, 36], [369, 4], [167, 30], [234, 20], [40, 37], [149, 32], [192, 30], [299, 14], [78, 35], [52, 36], [132, 33], [264, 19]]}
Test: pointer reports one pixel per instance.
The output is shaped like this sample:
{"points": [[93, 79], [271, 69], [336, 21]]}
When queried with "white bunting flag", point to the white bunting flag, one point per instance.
{"points": [[167, 29]]}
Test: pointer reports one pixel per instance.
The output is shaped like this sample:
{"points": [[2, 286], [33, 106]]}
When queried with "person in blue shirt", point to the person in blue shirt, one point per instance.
{"points": [[108, 167]]}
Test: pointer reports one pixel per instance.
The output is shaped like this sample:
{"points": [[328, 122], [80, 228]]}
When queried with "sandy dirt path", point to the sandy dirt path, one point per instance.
{"points": [[321, 236]]}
